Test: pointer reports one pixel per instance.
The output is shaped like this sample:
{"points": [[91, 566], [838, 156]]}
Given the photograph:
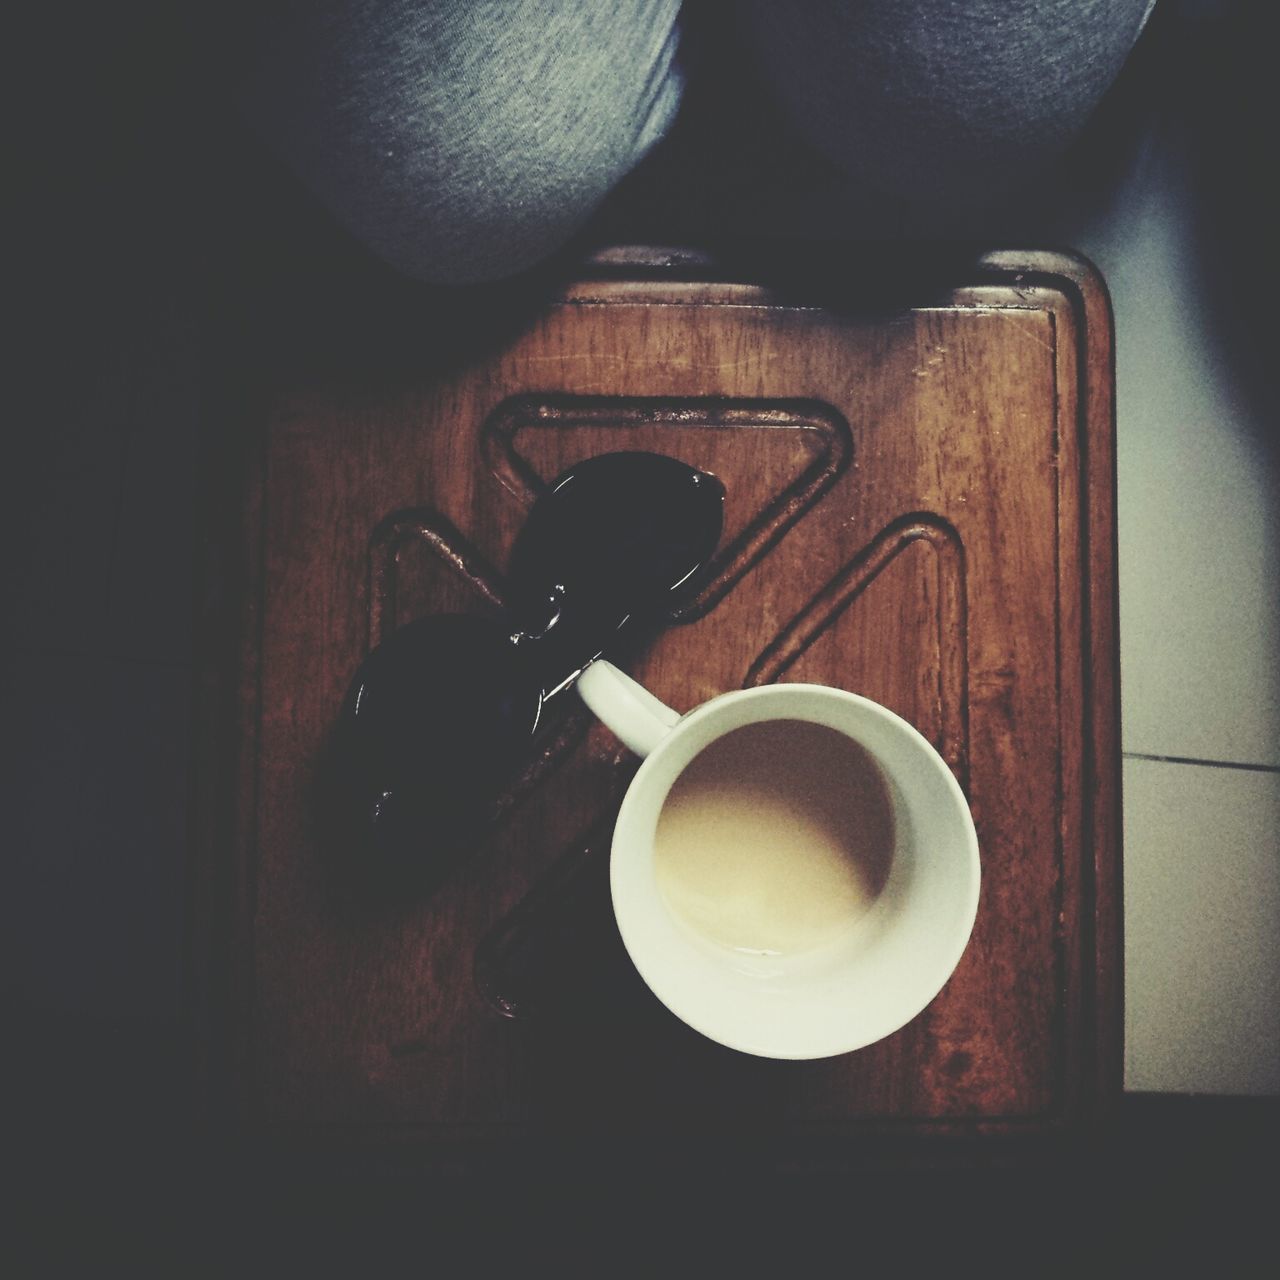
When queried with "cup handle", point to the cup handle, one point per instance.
{"points": [[628, 708]]}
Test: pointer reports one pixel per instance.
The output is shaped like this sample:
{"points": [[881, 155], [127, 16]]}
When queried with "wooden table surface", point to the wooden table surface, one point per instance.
{"points": [[920, 509]]}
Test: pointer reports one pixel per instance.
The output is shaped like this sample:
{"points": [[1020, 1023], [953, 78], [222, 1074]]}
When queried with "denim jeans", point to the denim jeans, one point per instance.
{"points": [[464, 140]]}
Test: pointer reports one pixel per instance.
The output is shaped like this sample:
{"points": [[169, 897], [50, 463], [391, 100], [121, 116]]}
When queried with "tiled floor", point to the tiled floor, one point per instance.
{"points": [[1199, 480], [98, 667], [1199, 541], [1202, 897]]}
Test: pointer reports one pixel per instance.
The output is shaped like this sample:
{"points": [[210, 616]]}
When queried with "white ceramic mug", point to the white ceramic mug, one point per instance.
{"points": [[853, 989]]}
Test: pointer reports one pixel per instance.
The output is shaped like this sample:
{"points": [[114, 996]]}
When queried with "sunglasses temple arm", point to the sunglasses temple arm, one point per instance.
{"points": [[625, 707]]}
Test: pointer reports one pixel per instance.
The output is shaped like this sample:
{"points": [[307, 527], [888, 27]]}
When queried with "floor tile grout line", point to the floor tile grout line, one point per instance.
{"points": [[1208, 764]]}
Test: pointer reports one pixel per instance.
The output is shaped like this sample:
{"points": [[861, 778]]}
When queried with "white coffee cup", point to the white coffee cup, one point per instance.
{"points": [[849, 990]]}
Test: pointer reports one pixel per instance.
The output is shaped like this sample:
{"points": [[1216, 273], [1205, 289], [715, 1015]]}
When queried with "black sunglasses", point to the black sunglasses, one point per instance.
{"points": [[440, 716]]}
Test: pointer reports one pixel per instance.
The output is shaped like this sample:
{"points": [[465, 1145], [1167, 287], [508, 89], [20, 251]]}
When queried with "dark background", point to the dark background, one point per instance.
{"points": [[162, 262]]}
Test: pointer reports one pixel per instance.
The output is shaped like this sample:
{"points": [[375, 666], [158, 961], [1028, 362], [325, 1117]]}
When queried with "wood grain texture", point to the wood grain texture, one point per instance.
{"points": [[920, 508]]}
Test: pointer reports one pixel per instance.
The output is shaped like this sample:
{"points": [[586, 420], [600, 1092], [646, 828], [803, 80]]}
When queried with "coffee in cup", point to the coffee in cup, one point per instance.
{"points": [[794, 868]]}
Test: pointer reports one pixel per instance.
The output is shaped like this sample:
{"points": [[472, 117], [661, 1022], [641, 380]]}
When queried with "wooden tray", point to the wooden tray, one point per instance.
{"points": [[920, 508]]}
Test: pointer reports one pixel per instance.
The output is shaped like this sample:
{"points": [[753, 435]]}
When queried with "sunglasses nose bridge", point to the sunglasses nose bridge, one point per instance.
{"points": [[533, 617], [602, 553]]}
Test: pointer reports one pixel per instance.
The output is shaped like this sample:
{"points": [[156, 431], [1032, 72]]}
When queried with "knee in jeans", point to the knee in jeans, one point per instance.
{"points": [[479, 205], [493, 210], [935, 102], [465, 142]]}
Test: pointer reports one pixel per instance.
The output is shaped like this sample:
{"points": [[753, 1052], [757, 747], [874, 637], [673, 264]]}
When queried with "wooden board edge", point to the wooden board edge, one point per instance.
{"points": [[1084, 285]]}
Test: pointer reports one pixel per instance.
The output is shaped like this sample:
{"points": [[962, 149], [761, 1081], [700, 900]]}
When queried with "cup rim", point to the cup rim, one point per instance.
{"points": [[818, 1046]]}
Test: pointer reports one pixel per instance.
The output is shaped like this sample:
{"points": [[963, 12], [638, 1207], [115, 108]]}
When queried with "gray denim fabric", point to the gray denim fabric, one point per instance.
{"points": [[464, 140], [950, 102]]}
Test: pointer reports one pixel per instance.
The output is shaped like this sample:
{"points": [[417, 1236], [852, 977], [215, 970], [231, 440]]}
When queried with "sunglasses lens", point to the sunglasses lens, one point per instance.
{"points": [[433, 723], [611, 544]]}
